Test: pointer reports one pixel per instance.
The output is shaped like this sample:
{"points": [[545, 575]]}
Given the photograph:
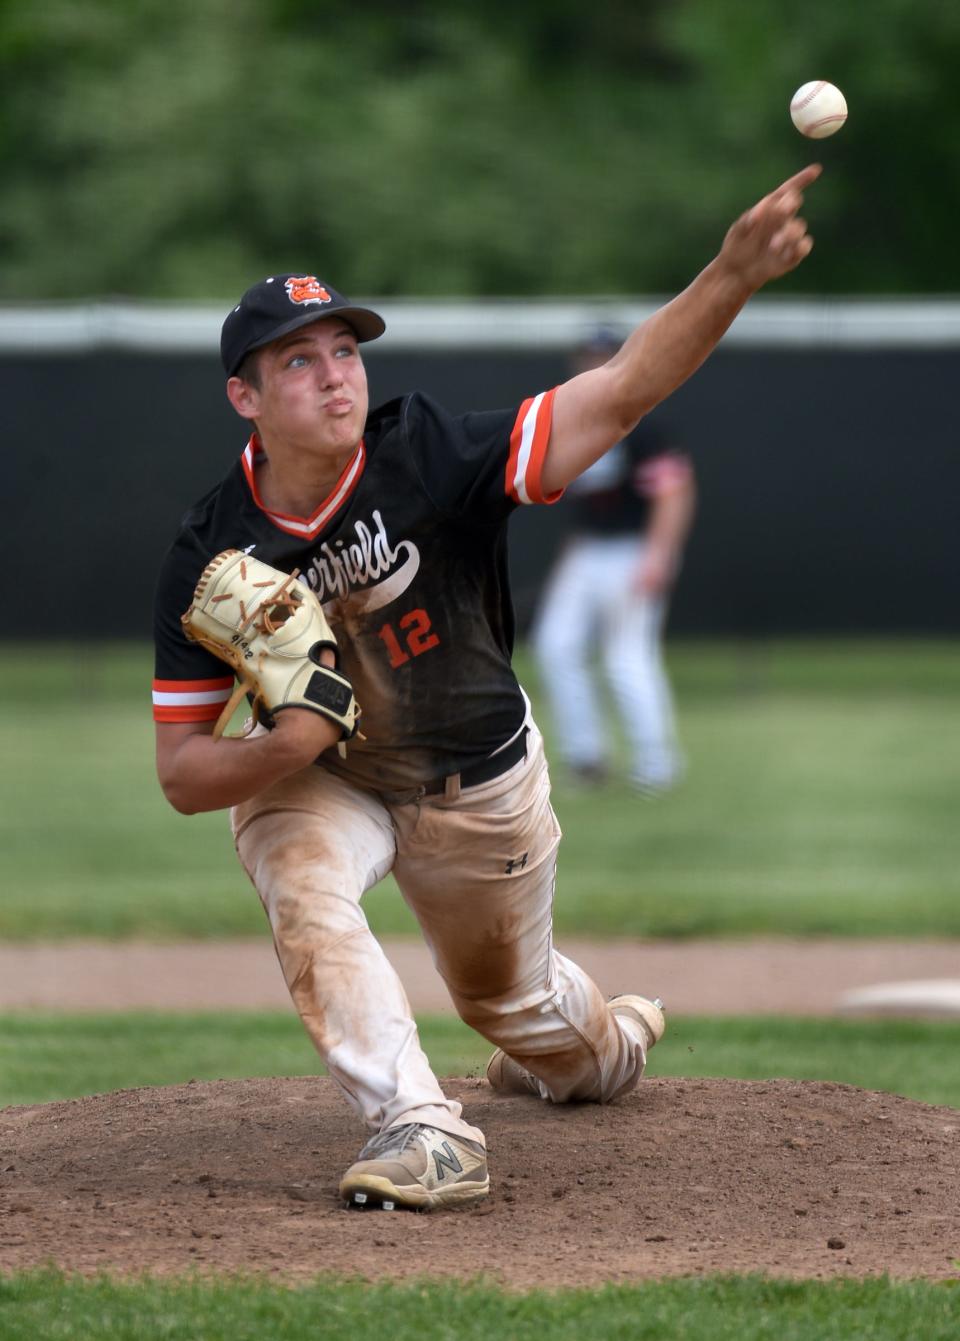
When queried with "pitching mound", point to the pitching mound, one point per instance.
{"points": [[684, 1176]]}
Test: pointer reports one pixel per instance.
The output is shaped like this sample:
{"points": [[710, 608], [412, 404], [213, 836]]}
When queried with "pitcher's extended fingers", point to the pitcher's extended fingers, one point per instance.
{"points": [[773, 209], [788, 236], [788, 196], [804, 178], [786, 206], [791, 249]]}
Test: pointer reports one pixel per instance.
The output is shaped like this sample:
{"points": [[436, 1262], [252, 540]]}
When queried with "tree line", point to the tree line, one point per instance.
{"points": [[178, 149]]}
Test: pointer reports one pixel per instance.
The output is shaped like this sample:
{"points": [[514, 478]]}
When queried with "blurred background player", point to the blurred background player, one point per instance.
{"points": [[628, 520]]}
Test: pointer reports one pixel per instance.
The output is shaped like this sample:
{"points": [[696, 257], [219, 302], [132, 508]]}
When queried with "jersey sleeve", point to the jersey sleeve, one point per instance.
{"points": [[480, 462], [660, 466], [190, 684], [664, 474]]}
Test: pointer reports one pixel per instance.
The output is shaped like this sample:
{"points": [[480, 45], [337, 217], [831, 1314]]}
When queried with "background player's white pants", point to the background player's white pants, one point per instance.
{"points": [[478, 872], [588, 608]]}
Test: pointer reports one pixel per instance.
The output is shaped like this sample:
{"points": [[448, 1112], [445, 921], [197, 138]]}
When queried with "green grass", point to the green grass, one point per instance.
{"points": [[46, 1056], [908, 1057], [57, 1308], [821, 799]]}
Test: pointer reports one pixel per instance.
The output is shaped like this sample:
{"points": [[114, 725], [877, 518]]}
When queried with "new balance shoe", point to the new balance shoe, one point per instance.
{"points": [[509, 1077], [416, 1167]]}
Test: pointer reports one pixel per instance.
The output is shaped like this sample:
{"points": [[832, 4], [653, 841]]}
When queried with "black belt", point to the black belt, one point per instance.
{"points": [[487, 769]]}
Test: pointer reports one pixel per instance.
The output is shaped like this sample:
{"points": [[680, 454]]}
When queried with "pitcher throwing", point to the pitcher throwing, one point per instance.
{"points": [[392, 733]]}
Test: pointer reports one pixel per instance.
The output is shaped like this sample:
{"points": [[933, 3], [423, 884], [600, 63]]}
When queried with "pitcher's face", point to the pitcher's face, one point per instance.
{"points": [[312, 390]]}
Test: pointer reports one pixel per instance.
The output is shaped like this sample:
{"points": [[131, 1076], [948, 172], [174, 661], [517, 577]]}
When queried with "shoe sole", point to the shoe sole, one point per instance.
{"points": [[649, 1013], [367, 1191]]}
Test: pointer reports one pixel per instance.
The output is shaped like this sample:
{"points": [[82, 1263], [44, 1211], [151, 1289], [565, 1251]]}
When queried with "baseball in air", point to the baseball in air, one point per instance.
{"points": [[818, 109]]}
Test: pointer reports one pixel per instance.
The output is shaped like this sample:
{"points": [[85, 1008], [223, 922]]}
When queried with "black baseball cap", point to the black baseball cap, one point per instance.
{"points": [[278, 305]]}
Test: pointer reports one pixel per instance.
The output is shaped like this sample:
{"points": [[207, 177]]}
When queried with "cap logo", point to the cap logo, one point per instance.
{"points": [[306, 289]]}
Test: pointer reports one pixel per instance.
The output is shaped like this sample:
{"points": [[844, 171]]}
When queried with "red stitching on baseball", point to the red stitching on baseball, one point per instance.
{"points": [[820, 85]]}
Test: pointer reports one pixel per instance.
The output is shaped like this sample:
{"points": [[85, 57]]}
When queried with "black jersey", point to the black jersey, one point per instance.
{"points": [[408, 557], [613, 497]]}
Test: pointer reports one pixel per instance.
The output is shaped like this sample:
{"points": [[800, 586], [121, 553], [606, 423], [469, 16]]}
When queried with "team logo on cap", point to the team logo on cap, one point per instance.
{"points": [[306, 289]]}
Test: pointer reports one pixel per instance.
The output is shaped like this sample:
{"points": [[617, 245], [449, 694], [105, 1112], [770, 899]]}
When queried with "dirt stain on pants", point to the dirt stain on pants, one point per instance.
{"points": [[478, 872]]}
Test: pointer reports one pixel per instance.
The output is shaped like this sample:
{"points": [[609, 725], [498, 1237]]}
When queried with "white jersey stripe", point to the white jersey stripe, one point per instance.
{"points": [[162, 698], [526, 447]]}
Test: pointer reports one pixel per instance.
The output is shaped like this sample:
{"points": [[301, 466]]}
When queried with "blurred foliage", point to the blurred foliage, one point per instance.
{"points": [[180, 148]]}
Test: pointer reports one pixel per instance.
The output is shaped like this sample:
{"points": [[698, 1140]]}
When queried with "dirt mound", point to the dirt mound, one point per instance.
{"points": [[684, 1176]]}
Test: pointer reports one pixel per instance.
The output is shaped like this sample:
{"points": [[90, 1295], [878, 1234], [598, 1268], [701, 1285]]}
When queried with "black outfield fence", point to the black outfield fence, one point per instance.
{"points": [[826, 448]]}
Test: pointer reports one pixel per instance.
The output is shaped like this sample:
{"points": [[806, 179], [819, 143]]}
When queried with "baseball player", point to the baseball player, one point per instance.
{"points": [[629, 515], [394, 521]]}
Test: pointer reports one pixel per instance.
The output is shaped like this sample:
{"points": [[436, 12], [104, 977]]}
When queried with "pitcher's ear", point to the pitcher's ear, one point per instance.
{"points": [[244, 397]]}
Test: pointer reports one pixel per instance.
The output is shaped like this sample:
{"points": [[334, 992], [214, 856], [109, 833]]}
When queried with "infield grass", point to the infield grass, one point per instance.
{"points": [[44, 1057], [45, 1304], [821, 799]]}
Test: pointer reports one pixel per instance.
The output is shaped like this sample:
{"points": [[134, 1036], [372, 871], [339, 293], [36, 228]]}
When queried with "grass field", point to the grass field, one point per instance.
{"points": [[45, 1305], [46, 1056], [821, 799]]}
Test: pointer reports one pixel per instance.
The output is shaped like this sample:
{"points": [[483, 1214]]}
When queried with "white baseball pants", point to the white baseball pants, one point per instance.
{"points": [[588, 607], [477, 869]]}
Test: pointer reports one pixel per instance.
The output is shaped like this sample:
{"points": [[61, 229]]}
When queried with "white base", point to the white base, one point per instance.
{"points": [[929, 997]]}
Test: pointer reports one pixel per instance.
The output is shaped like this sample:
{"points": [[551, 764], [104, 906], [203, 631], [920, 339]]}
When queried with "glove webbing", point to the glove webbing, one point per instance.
{"points": [[282, 600], [264, 617]]}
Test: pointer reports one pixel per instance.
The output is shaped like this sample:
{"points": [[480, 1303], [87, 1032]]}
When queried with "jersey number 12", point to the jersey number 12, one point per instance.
{"points": [[416, 634]]}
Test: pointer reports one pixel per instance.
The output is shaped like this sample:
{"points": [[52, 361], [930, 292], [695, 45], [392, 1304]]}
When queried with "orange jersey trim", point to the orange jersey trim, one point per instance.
{"points": [[190, 700], [206, 712], [193, 686], [528, 450], [305, 528]]}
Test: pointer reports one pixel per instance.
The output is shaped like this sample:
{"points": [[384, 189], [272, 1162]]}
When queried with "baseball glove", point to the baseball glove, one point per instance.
{"points": [[270, 629]]}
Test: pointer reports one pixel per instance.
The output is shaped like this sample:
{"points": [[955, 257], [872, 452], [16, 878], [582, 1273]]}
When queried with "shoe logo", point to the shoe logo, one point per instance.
{"points": [[250, 548], [446, 1161], [516, 864]]}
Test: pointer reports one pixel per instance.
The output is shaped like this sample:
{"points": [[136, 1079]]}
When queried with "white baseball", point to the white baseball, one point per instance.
{"points": [[818, 109]]}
